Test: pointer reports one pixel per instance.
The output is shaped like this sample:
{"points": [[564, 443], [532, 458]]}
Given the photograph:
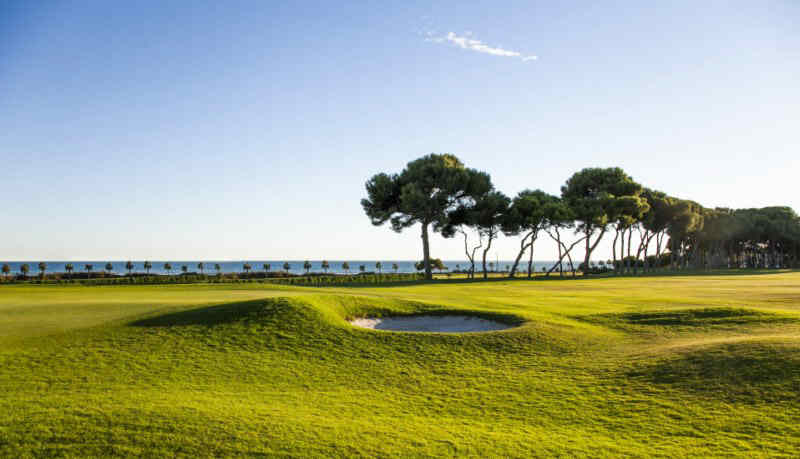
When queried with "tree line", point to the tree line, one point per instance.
{"points": [[147, 266], [187, 276], [650, 228]]}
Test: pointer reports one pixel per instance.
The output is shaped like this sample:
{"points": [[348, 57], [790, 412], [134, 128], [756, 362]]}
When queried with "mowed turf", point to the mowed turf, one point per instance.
{"points": [[667, 366]]}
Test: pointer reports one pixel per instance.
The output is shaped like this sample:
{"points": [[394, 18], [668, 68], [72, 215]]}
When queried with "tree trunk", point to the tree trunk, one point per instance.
{"points": [[466, 252], [588, 253], [567, 250], [471, 256], [671, 256], [648, 267], [628, 257], [426, 252], [659, 238], [560, 257], [530, 261], [523, 245], [590, 247], [485, 251], [571, 266], [642, 246]]}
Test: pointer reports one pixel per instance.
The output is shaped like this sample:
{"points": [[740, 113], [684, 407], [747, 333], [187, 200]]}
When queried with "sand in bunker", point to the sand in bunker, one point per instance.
{"points": [[440, 324]]}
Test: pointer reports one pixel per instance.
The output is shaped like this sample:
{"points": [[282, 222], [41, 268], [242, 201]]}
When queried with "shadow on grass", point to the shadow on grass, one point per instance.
{"points": [[691, 317], [256, 310], [733, 372]]}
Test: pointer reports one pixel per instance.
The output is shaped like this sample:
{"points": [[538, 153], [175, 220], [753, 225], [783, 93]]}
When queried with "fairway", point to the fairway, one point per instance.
{"points": [[657, 366]]}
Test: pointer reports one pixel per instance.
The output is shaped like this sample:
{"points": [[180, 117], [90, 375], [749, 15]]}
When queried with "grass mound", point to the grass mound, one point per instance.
{"points": [[700, 318], [262, 311], [755, 371], [318, 324]]}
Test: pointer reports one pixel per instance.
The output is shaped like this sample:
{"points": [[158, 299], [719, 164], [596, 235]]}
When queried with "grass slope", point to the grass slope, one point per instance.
{"points": [[652, 367]]}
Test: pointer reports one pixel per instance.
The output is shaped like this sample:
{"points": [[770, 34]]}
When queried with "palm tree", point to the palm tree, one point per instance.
{"points": [[267, 267], [378, 266], [42, 268], [184, 269], [307, 266], [491, 266], [438, 265], [6, 269], [168, 268], [217, 268], [109, 267], [147, 267], [286, 267], [129, 266], [201, 267], [346, 267], [395, 267], [24, 269], [246, 267], [68, 268], [325, 266], [458, 267], [88, 269], [362, 268]]}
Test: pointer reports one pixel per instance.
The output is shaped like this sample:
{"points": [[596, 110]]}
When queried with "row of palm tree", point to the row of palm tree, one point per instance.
{"points": [[325, 265], [24, 269]]}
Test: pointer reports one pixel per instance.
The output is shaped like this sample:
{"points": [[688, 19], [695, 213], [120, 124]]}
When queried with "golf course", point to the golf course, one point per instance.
{"points": [[693, 364], [517, 229]]}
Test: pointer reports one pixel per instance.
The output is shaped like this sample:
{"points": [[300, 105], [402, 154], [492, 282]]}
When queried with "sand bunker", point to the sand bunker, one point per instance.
{"points": [[439, 324]]}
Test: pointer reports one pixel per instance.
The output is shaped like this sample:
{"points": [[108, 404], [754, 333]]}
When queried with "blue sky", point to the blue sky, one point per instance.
{"points": [[235, 130]]}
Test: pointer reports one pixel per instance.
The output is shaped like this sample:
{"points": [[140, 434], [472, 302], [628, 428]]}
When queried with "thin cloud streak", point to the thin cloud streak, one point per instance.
{"points": [[469, 43]]}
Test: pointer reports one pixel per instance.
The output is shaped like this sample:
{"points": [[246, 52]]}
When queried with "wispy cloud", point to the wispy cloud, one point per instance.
{"points": [[467, 42]]}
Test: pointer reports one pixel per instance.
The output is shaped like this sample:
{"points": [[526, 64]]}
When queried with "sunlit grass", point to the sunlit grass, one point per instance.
{"points": [[652, 366]]}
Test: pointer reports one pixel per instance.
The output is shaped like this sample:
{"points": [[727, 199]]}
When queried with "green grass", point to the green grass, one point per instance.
{"points": [[667, 366]]}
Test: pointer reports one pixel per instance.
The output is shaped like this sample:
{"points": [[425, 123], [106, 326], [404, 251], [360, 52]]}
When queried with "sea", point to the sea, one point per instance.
{"points": [[295, 266]]}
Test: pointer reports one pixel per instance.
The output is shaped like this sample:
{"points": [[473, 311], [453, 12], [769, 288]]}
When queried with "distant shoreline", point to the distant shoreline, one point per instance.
{"points": [[256, 266]]}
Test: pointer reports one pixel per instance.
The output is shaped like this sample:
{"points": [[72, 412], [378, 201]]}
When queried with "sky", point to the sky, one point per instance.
{"points": [[246, 130]]}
